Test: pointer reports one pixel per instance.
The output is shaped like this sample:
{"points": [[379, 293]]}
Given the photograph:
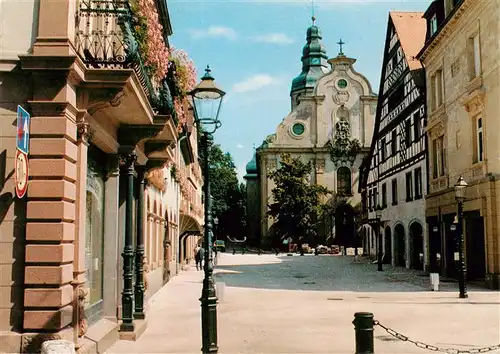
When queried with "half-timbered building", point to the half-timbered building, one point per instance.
{"points": [[394, 173]]}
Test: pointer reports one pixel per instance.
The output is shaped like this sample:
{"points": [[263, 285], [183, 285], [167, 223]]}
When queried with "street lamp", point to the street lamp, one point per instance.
{"points": [[378, 213], [207, 99], [460, 187]]}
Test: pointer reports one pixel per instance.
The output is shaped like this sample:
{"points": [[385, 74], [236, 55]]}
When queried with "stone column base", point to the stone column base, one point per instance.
{"points": [[140, 327]]}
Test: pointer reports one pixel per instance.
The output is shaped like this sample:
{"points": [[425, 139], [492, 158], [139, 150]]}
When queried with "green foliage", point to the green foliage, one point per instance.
{"points": [[228, 195], [298, 205]]}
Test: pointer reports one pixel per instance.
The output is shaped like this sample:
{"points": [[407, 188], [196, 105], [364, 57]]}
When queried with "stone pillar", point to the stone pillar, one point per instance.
{"points": [[50, 227], [128, 161], [157, 242], [161, 244], [111, 235], [79, 276], [150, 241], [139, 250]]}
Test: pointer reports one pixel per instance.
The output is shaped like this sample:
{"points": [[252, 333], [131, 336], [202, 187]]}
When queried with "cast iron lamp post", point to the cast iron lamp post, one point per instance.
{"points": [[460, 187], [207, 99], [378, 213]]}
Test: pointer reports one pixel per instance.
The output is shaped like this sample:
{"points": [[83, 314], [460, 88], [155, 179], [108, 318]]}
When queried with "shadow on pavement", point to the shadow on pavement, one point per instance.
{"points": [[328, 273]]}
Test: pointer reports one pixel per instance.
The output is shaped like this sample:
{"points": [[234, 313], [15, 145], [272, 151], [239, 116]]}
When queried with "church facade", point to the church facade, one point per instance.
{"points": [[331, 124]]}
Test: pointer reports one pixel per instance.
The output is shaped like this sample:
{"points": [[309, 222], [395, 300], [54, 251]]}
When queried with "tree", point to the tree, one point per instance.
{"points": [[298, 205], [228, 196]]}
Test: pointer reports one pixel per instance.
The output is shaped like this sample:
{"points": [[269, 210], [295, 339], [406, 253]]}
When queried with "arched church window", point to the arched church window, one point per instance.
{"points": [[344, 181]]}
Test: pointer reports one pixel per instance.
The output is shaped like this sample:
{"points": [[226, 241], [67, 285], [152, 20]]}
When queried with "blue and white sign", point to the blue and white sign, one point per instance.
{"points": [[23, 129]]}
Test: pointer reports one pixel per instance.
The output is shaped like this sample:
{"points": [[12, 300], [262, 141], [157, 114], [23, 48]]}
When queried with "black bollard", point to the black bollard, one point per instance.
{"points": [[363, 326], [234, 251]]}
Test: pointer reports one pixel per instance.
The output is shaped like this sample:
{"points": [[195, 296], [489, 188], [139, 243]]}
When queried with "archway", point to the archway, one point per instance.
{"points": [[416, 246], [167, 256], [345, 226], [400, 246], [387, 245]]}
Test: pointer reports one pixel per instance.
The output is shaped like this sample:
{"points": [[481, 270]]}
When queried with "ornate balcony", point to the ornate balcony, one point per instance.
{"points": [[106, 39]]}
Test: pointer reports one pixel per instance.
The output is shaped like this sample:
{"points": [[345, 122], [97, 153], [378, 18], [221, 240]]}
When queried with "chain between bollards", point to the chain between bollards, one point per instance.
{"points": [[364, 325]]}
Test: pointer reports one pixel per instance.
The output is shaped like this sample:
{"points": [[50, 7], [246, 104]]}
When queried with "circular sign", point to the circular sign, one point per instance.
{"points": [[21, 173]]}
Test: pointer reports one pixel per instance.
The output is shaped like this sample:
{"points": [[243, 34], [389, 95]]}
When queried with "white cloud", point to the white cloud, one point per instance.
{"points": [[277, 38], [214, 31], [255, 82], [239, 146]]}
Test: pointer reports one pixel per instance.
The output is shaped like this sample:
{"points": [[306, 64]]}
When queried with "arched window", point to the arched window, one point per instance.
{"points": [[344, 181]]}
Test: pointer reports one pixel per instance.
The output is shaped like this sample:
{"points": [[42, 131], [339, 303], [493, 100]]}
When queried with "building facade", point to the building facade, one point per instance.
{"points": [[395, 173], [99, 228], [461, 58], [333, 109]]}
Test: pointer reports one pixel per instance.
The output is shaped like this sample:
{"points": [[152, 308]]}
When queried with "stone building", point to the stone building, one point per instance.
{"points": [[333, 109], [107, 176], [253, 202], [394, 174], [461, 57]]}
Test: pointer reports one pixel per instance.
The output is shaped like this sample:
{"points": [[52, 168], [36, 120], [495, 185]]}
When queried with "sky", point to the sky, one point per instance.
{"points": [[254, 48]]}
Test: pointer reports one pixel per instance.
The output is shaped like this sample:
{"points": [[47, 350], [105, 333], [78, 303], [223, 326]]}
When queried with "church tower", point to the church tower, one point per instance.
{"points": [[314, 65]]}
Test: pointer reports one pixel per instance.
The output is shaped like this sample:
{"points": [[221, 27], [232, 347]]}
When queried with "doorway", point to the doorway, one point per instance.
{"points": [[417, 246], [388, 246], [400, 249], [475, 246]]}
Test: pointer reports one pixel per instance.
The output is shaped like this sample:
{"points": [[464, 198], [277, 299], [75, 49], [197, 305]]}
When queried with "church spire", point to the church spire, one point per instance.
{"points": [[314, 60]]}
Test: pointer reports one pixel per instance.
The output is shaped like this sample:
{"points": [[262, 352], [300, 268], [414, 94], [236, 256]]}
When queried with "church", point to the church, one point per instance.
{"points": [[331, 124]]}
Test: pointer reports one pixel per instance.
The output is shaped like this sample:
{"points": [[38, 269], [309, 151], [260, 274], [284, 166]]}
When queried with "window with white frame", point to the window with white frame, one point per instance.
{"points": [[438, 158], [478, 155]]}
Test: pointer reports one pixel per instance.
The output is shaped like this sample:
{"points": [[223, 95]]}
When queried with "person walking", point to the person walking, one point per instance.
{"points": [[201, 255], [197, 256]]}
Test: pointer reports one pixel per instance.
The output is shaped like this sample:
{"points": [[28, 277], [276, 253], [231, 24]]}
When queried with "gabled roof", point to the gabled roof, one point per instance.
{"points": [[411, 28]]}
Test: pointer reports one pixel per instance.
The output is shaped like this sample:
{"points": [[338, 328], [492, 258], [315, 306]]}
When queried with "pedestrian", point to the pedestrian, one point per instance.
{"points": [[201, 253], [197, 256]]}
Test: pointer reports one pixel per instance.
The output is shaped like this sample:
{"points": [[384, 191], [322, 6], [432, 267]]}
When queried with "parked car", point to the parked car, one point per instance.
{"points": [[220, 245]]}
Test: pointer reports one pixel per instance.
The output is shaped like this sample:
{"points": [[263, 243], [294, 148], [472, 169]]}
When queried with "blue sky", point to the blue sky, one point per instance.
{"points": [[254, 49]]}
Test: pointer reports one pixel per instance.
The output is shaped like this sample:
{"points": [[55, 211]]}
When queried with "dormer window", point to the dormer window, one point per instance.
{"points": [[434, 24]]}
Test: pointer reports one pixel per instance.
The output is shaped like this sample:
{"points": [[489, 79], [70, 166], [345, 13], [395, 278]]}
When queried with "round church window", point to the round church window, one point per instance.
{"points": [[298, 129], [342, 83]]}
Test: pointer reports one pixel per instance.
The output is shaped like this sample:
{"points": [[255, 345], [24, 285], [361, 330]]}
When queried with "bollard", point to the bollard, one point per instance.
{"points": [[363, 326]]}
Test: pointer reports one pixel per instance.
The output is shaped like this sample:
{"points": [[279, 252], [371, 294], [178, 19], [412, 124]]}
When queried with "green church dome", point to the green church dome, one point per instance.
{"points": [[252, 165], [314, 60]]}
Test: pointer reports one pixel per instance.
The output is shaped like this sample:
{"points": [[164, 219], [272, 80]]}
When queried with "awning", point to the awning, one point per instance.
{"points": [[188, 224]]}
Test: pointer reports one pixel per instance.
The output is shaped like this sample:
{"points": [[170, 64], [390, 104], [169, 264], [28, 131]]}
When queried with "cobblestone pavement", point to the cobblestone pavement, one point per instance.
{"points": [[306, 305]]}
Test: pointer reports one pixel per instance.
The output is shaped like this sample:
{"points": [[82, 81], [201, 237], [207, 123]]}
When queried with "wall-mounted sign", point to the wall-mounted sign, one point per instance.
{"points": [[23, 130], [21, 173]]}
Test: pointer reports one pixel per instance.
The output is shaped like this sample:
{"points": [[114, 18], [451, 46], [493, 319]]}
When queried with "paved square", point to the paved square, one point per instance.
{"points": [[306, 305]]}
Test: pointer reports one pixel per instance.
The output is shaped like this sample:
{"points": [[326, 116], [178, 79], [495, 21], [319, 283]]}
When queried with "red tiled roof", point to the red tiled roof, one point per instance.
{"points": [[411, 28]]}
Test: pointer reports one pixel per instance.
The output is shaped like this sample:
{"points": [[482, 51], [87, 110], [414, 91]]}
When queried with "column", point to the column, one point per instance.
{"points": [[139, 251], [79, 276], [163, 239], [150, 242], [128, 160], [111, 237], [50, 226], [157, 242]]}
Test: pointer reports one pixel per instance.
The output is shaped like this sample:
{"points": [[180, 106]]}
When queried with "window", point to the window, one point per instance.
{"points": [[375, 197], [409, 187], [418, 183], [344, 181], [384, 195], [438, 158], [394, 191], [475, 56], [394, 142], [407, 132], [416, 127], [382, 149], [94, 229], [478, 155], [437, 89], [370, 200], [434, 24]]}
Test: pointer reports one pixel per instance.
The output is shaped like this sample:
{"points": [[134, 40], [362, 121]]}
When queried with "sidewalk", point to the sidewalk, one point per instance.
{"points": [[257, 318]]}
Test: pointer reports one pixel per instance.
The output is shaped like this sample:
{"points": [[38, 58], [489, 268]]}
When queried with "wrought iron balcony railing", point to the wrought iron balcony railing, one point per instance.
{"points": [[105, 39]]}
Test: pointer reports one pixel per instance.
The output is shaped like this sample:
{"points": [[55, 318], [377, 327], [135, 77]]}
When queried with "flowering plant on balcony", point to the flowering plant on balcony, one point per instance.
{"points": [[179, 175], [149, 35]]}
